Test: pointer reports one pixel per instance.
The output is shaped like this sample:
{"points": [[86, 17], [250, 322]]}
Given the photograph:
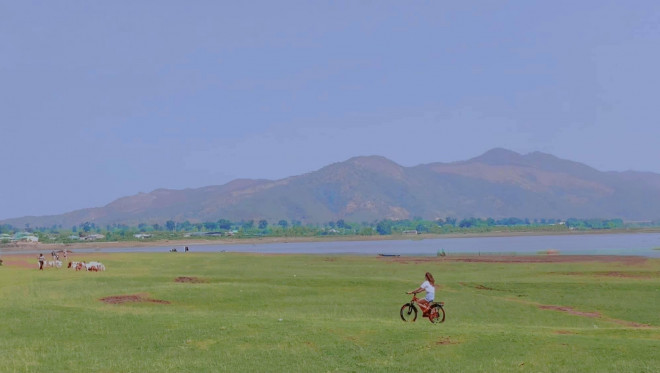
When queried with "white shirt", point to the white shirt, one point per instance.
{"points": [[429, 289]]}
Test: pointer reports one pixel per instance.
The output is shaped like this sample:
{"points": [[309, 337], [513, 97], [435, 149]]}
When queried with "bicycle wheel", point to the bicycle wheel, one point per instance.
{"points": [[437, 314], [408, 312]]}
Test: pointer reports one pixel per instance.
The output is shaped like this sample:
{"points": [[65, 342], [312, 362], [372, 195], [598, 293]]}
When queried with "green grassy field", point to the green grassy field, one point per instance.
{"points": [[282, 313]]}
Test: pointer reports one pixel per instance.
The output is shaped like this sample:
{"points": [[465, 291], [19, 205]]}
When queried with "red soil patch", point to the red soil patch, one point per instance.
{"points": [[194, 280], [119, 299], [563, 332], [480, 287], [569, 310], [572, 311], [23, 260]]}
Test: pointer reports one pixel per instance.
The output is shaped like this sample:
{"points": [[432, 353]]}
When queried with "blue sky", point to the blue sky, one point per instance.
{"points": [[100, 100]]}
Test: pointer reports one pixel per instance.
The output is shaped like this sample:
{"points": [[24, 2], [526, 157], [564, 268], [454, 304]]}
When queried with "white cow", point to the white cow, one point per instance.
{"points": [[95, 266], [54, 263]]}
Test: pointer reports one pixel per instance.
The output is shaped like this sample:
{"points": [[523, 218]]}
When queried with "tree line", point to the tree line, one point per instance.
{"points": [[171, 229]]}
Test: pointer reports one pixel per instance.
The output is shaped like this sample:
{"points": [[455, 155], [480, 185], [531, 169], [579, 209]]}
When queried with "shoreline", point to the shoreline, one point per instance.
{"points": [[19, 247], [29, 261]]}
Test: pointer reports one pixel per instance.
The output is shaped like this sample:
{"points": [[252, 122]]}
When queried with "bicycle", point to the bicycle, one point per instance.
{"points": [[436, 312]]}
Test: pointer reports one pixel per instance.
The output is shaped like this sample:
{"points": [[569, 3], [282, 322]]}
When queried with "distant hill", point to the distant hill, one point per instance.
{"points": [[498, 184]]}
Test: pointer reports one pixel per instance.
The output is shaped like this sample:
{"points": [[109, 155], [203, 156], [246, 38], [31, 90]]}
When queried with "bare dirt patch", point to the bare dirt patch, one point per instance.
{"points": [[479, 286], [193, 280], [572, 311], [132, 298], [21, 261], [446, 341], [563, 332], [569, 310]]}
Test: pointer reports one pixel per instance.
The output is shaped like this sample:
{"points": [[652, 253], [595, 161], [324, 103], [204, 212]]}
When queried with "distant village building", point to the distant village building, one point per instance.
{"points": [[142, 235], [25, 237], [93, 237], [414, 231]]}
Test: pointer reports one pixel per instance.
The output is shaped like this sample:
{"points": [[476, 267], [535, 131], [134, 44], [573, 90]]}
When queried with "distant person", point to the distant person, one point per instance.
{"points": [[429, 287], [186, 248], [42, 259]]}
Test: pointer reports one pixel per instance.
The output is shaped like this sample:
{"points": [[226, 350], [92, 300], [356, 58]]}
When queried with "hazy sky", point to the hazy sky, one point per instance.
{"points": [[104, 99]]}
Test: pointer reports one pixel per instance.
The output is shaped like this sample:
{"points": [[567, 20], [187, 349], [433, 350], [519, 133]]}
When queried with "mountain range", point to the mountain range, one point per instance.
{"points": [[499, 183]]}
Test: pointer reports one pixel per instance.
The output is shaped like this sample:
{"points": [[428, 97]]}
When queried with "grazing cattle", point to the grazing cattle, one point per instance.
{"points": [[95, 266], [91, 266], [54, 263]]}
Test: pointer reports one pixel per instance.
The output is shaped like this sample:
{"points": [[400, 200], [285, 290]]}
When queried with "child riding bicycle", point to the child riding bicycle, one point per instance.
{"points": [[429, 287]]}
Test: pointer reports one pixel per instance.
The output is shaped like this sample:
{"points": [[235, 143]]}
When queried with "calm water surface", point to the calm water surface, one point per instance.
{"points": [[641, 244]]}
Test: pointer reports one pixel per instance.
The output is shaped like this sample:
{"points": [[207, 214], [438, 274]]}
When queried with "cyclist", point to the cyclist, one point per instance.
{"points": [[429, 287]]}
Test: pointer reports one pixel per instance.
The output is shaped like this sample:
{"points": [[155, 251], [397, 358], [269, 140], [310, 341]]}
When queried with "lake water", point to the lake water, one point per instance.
{"points": [[640, 244]]}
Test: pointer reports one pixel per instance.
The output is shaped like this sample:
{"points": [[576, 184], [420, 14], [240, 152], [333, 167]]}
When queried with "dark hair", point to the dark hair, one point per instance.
{"points": [[429, 277]]}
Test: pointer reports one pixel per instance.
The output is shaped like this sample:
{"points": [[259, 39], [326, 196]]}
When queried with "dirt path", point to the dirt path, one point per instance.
{"points": [[565, 309]]}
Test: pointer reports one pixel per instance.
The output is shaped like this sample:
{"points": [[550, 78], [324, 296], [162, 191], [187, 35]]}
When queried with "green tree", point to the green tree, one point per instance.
{"points": [[283, 223], [224, 224], [210, 225], [467, 223], [186, 226], [170, 225], [246, 225], [384, 227], [263, 224]]}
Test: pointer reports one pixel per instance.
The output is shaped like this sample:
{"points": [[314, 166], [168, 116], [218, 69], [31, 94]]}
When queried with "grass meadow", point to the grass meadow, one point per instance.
{"points": [[320, 313]]}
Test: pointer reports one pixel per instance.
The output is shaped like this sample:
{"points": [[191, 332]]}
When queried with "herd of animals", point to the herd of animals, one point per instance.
{"points": [[78, 266], [91, 266]]}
